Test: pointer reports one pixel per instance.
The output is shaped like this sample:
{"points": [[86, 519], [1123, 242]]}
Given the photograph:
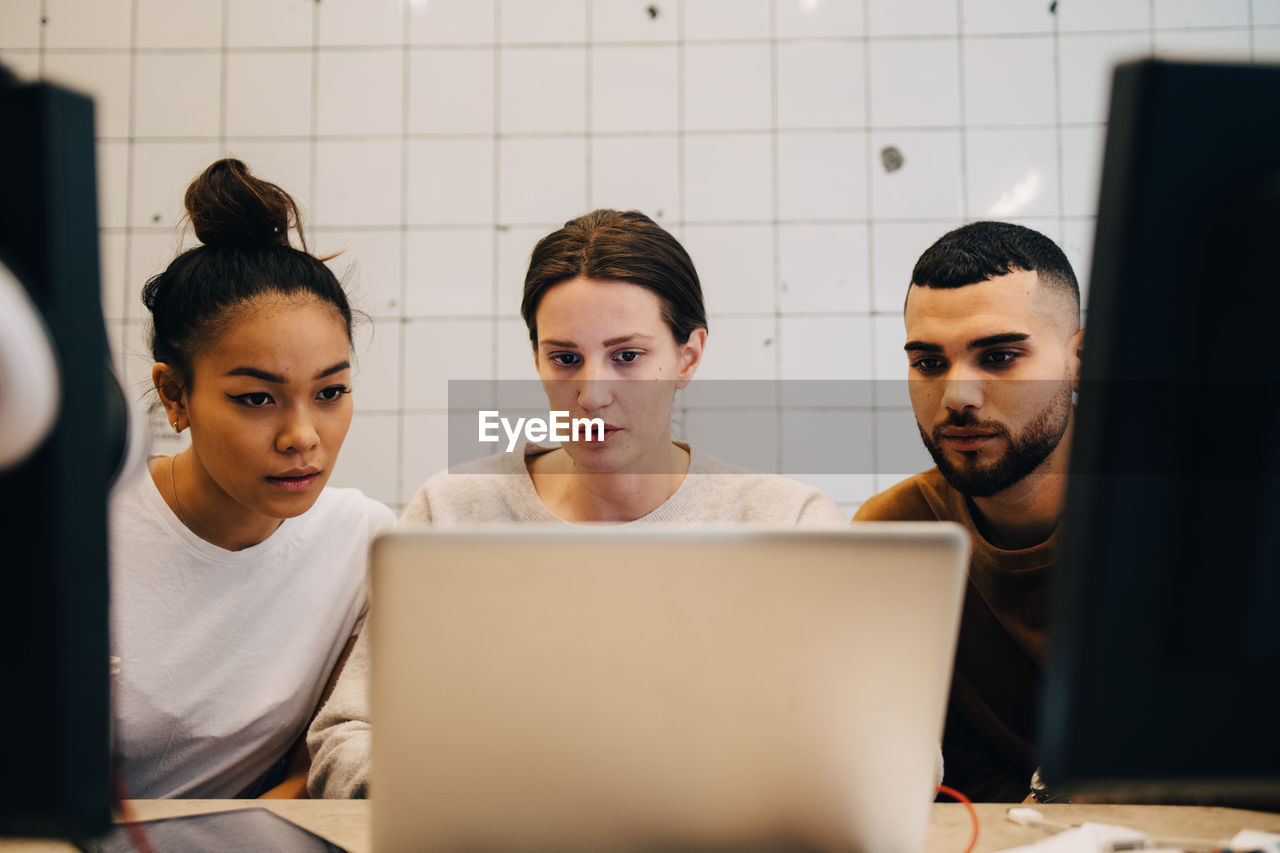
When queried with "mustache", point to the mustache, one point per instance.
{"points": [[967, 420]]}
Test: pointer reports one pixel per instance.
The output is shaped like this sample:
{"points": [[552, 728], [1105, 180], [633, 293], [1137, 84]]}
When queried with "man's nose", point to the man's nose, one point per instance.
{"points": [[962, 390]]}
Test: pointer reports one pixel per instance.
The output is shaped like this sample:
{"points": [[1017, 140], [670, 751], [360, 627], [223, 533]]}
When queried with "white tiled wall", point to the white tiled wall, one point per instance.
{"points": [[433, 142]]}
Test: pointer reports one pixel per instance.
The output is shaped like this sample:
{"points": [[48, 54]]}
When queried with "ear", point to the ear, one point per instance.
{"points": [[691, 356], [168, 385], [1075, 356]]}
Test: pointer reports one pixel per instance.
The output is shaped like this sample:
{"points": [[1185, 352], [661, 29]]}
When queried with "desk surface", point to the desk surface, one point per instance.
{"points": [[346, 822]]}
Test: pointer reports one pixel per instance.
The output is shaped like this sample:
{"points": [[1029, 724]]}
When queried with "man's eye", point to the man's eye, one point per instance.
{"points": [[927, 365], [334, 393], [255, 400], [1002, 358]]}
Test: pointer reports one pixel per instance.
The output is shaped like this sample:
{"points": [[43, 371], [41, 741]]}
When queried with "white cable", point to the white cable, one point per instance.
{"points": [[1024, 816]]}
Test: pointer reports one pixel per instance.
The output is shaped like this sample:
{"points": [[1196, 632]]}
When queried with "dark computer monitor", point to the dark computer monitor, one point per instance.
{"points": [[1164, 666], [53, 503]]}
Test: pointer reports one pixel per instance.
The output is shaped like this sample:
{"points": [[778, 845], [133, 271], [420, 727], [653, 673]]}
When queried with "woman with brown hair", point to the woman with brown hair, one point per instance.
{"points": [[617, 323], [616, 320]]}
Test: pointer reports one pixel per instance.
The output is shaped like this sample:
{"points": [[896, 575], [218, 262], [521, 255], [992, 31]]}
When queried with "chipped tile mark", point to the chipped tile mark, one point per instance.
{"points": [[1053, 7], [891, 158], [653, 11]]}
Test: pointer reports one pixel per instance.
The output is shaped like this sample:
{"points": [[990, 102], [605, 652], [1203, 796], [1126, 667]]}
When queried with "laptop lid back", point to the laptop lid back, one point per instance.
{"points": [[596, 689]]}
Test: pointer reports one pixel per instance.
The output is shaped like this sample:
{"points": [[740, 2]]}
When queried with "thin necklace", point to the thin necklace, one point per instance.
{"points": [[174, 486]]}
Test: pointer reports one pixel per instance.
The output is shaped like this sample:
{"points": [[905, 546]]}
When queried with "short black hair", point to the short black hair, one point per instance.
{"points": [[985, 250]]}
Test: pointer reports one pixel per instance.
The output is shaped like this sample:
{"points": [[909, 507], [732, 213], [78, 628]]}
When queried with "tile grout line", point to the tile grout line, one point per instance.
{"points": [[588, 59], [1057, 119], [223, 76], [130, 162], [1253, 38], [681, 135], [774, 230], [869, 170], [313, 190], [964, 132], [495, 316], [401, 324], [42, 41]]}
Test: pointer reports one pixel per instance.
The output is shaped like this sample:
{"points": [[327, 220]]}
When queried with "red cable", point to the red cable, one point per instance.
{"points": [[973, 813], [128, 821]]}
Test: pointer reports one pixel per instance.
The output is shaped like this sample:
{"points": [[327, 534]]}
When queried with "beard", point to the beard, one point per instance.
{"points": [[1026, 452]]}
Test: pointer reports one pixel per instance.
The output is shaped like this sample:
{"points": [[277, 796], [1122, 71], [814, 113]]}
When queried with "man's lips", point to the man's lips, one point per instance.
{"points": [[966, 439], [297, 480]]}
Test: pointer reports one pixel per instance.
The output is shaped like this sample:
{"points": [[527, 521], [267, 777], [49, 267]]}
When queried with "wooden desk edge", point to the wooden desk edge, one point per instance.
{"points": [[346, 822]]}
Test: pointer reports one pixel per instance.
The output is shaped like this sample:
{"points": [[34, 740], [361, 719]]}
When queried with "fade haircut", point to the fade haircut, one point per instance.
{"points": [[981, 251]]}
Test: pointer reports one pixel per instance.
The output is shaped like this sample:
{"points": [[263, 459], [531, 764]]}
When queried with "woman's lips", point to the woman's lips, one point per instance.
{"points": [[295, 482], [609, 430]]}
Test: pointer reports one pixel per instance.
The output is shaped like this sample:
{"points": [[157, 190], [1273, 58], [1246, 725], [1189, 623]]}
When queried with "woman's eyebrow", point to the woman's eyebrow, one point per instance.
{"points": [[634, 336], [337, 368], [255, 373]]}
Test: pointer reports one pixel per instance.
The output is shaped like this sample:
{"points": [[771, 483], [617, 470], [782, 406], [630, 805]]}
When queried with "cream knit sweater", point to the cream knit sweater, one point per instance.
{"points": [[498, 489]]}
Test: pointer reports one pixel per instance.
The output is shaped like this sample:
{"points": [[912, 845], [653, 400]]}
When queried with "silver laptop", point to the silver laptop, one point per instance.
{"points": [[594, 689]]}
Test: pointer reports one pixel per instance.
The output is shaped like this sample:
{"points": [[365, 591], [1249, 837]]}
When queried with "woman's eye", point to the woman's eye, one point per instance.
{"points": [[256, 400], [334, 393], [565, 359], [627, 356]]}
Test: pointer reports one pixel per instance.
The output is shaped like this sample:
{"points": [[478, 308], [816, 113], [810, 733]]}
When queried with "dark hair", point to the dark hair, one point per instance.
{"points": [[611, 245], [984, 250], [243, 223]]}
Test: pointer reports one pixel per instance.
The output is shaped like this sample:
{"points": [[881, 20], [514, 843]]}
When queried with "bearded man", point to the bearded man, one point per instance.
{"points": [[993, 346]]}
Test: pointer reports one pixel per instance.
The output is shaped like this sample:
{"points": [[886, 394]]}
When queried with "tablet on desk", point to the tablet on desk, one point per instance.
{"points": [[232, 831], [600, 689]]}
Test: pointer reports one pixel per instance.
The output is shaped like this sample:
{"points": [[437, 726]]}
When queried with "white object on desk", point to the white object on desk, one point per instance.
{"points": [[29, 385], [1087, 838], [1107, 838]]}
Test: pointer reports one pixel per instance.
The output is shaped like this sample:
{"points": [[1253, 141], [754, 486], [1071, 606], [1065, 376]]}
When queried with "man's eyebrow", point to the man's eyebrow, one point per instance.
{"points": [[921, 346], [255, 373], [997, 340]]}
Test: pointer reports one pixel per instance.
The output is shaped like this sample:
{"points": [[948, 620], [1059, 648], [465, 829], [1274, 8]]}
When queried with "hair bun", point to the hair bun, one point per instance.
{"points": [[229, 206]]}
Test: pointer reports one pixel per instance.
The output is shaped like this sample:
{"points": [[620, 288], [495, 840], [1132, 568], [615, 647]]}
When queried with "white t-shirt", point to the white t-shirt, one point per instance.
{"points": [[224, 654]]}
